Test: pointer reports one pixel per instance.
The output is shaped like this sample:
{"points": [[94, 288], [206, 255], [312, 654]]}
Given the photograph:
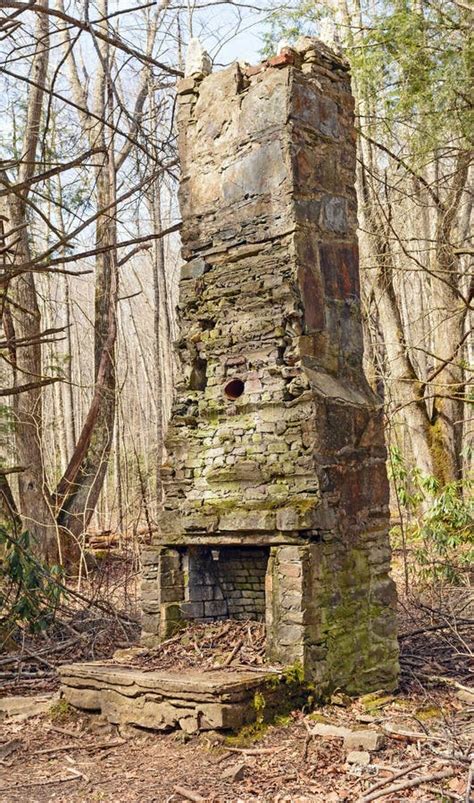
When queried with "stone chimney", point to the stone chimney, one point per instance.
{"points": [[276, 493]]}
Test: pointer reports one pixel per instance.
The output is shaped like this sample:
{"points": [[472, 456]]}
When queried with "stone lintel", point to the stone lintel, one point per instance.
{"points": [[233, 539]]}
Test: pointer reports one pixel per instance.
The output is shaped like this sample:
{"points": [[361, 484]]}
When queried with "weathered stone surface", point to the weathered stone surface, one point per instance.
{"points": [[185, 86], [193, 269], [364, 740], [203, 686], [353, 740], [25, 707], [198, 62], [329, 731], [87, 699], [192, 701], [360, 757], [248, 520], [235, 772]]}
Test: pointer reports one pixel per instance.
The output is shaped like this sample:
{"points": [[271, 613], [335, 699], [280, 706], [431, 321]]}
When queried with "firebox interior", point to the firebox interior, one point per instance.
{"points": [[224, 582]]}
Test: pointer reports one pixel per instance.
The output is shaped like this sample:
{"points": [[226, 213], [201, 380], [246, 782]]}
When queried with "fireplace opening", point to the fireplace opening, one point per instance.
{"points": [[224, 583]]}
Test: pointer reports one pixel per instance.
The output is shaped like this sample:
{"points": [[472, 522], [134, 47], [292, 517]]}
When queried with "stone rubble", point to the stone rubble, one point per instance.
{"points": [[360, 757], [22, 708], [368, 739]]}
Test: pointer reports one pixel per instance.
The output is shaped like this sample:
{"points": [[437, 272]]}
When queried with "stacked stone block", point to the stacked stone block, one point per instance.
{"points": [[270, 302]]}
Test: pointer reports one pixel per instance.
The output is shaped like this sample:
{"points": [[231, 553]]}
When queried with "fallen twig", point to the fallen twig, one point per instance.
{"points": [[408, 784], [189, 794], [73, 746], [445, 793], [36, 656], [446, 626], [393, 777], [412, 736], [65, 732], [233, 653], [44, 782], [256, 751], [449, 682]]}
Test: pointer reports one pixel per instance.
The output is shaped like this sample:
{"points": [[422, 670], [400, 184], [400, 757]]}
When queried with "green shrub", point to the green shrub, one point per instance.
{"points": [[437, 521], [29, 593]]}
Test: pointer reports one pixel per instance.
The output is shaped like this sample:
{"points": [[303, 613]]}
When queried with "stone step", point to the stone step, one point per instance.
{"points": [[162, 700]]}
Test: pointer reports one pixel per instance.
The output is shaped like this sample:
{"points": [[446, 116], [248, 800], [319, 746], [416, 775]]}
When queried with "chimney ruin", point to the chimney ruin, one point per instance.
{"points": [[276, 492]]}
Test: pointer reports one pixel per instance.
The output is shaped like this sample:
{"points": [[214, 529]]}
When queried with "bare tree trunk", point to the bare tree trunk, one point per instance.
{"points": [[35, 503], [118, 470], [449, 313], [84, 477]]}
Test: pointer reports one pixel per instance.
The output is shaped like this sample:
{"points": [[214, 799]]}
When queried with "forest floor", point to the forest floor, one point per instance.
{"points": [[427, 726]]}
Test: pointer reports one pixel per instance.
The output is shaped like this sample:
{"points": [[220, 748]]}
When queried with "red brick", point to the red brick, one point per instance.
{"points": [[284, 58]]}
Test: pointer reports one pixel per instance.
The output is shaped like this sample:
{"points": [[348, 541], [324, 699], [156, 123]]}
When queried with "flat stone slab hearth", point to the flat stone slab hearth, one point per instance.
{"points": [[164, 700]]}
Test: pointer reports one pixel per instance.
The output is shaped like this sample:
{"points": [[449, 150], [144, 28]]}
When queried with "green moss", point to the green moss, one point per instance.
{"points": [[441, 463], [247, 735], [62, 711], [282, 721], [219, 504], [259, 705], [376, 705], [432, 712], [291, 675], [316, 717], [100, 554], [348, 616]]}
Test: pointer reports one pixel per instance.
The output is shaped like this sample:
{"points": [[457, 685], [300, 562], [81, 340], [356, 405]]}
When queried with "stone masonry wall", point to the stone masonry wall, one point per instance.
{"points": [[269, 300]]}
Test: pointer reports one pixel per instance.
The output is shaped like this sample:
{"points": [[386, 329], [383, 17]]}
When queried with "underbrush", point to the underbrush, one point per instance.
{"points": [[45, 620], [435, 531]]}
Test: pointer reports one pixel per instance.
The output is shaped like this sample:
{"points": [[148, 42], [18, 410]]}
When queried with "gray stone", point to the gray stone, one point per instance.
{"points": [[185, 86], [191, 701], [86, 699], [235, 772], [198, 62], [360, 757], [364, 740], [215, 608], [287, 519], [334, 214], [193, 269], [192, 610], [328, 731], [26, 707], [280, 443]]}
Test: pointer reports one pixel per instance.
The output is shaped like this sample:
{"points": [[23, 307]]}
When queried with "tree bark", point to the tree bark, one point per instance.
{"points": [[35, 503]]}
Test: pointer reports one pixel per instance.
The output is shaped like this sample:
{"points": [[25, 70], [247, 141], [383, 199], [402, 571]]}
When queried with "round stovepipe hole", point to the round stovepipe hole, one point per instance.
{"points": [[234, 388]]}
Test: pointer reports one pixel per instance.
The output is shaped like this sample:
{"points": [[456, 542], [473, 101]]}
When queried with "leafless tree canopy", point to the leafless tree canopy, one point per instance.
{"points": [[89, 239]]}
